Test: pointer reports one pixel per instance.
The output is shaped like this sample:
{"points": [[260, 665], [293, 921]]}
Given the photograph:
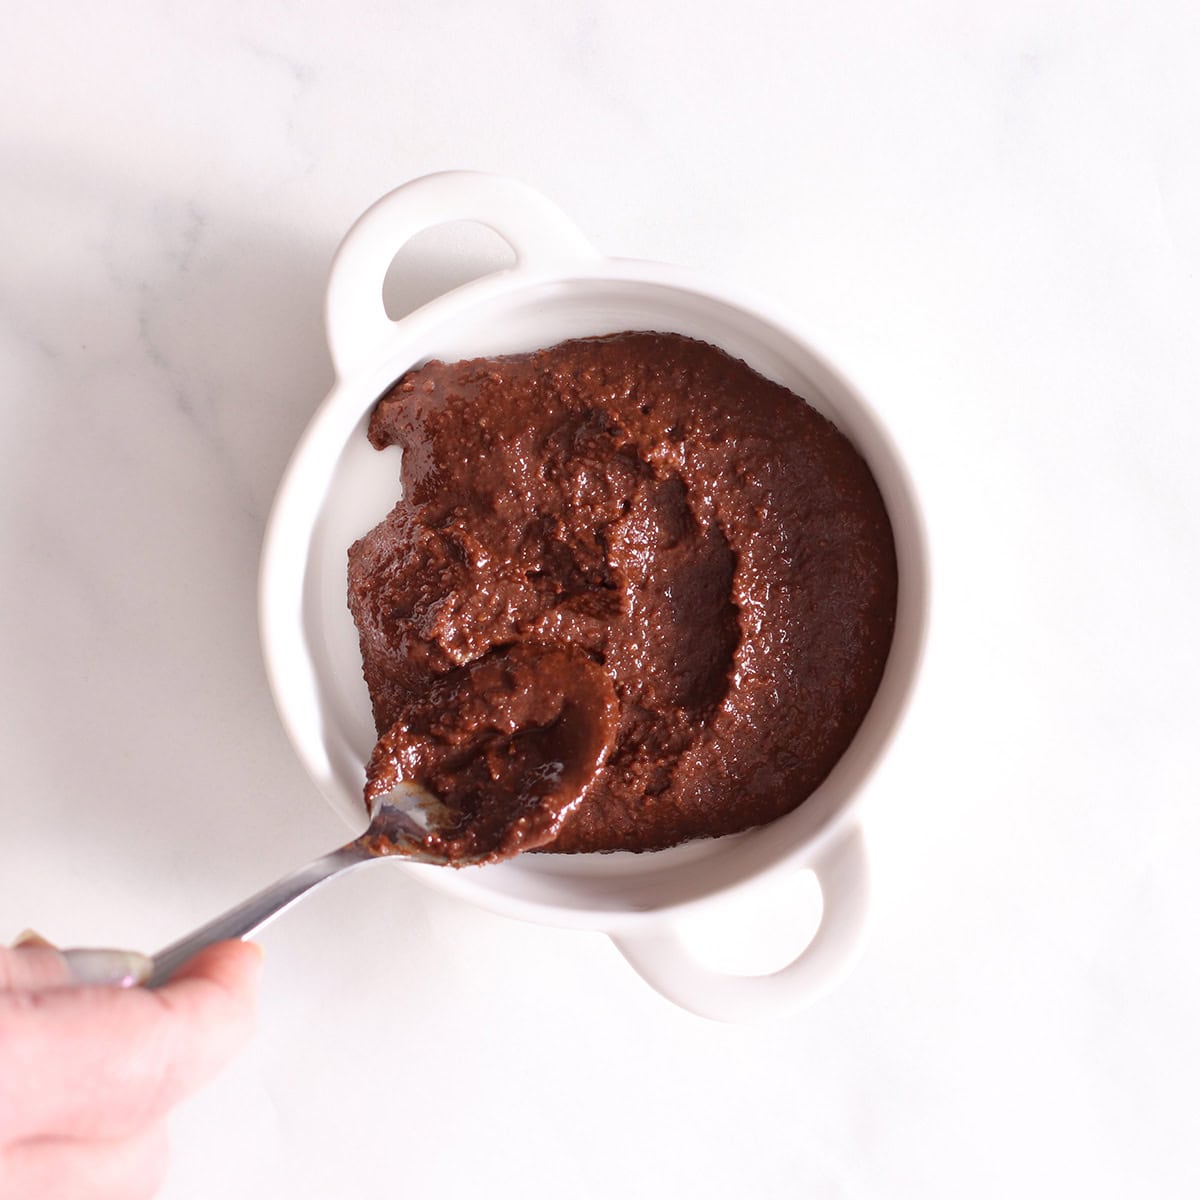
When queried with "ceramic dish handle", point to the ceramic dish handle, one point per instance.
{"points": [[665, 963], [541, 236]]}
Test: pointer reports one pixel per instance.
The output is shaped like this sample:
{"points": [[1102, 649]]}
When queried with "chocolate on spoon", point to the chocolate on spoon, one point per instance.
{"points": [[505, 747]]}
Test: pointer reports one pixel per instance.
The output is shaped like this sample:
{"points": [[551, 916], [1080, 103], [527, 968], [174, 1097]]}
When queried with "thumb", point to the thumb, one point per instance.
{"points": [[33, 964]]}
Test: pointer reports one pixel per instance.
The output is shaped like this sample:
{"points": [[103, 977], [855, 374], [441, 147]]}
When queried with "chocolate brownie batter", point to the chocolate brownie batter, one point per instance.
{"points": [[635, 593], [507, 745]]}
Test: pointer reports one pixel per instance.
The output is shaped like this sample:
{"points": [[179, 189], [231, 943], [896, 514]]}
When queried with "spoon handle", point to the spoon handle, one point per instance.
{"points": [[245, 918]]}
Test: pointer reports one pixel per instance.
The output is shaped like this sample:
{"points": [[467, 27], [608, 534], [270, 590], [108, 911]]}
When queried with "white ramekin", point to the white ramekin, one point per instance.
{"points": [[336, 488]]}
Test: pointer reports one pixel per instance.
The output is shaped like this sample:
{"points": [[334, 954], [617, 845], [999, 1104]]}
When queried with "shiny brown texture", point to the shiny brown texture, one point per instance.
{"points": [[702, 533], [507, 745]]}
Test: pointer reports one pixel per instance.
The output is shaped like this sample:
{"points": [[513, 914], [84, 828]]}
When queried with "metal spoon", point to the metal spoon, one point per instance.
{"points": [[398, 825], [543, 721]]}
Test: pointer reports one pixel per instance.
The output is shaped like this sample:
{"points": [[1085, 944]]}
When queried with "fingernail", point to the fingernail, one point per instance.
{"points": [[30, 937], [119, 968]]}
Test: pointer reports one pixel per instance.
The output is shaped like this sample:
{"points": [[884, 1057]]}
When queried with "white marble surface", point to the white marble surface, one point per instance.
{"points": [[993, 212]]}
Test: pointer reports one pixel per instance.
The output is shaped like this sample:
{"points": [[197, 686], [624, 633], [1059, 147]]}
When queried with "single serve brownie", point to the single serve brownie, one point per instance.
{"points": [[634, 593]]}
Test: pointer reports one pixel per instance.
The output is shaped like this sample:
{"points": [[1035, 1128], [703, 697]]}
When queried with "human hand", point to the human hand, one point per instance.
{"points": [[89, 1071]]}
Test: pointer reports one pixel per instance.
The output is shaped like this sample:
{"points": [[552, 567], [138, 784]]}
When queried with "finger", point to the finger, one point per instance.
{"points": [[94, 1062], [233, 966], [31, 965], [129, 1168]]}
